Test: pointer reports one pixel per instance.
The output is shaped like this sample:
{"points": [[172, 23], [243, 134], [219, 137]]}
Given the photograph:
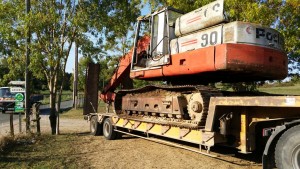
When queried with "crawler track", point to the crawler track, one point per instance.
{"points": [[187, 96]]}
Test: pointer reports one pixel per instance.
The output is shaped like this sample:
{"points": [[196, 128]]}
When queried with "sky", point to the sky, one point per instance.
{"points": [[71, 61]]}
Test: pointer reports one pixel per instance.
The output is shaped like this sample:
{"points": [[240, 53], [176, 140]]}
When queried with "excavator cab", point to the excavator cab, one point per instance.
{"points": [[152, 38]]}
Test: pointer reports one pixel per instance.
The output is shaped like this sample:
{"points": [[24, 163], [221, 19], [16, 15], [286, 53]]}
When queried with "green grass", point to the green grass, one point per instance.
{"points": [[66, 95], [78, 113], [46, 151], [284, 90], [46, 92], [72, 114]]}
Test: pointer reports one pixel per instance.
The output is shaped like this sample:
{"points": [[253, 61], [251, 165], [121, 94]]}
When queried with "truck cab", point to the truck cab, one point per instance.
{"points": [[7, 96], [7, 99]]}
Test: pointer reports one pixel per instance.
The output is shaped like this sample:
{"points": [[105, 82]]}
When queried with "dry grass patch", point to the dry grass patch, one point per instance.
{"points": [[46, 151], [6, 142], [72, 114]]}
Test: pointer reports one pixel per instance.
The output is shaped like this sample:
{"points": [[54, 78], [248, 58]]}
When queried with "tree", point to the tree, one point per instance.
{"points": [[289, 25], [3, 71], [55, 26], [12, 39]]}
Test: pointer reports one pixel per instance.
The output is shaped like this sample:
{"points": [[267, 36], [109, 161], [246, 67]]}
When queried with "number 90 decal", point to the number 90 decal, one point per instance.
{"points": [[209, 39]]}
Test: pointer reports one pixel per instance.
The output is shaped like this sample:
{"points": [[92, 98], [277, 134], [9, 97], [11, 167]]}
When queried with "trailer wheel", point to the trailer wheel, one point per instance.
{"points": [[108, 130], [287, 151], [95, 127]]}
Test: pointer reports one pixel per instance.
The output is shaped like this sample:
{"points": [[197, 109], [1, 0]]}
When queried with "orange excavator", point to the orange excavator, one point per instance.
{"points": [[188, 51]]}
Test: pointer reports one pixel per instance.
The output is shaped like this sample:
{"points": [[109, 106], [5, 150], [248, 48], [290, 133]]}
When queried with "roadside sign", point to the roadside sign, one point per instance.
{"points": [[19, 97], [17, 90], [19, 105], [17, 83]]}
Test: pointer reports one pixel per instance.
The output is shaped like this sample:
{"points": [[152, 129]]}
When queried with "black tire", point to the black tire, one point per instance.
{"points": [[108, 130], [287, 151], [95, 127]]}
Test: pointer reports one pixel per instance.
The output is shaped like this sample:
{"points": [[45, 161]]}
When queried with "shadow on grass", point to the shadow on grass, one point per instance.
{"points": [[76, 134]]}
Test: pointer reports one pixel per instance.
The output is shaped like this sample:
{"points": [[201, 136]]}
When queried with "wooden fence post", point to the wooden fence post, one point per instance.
{"points": [[36, 117], [11, 119]]}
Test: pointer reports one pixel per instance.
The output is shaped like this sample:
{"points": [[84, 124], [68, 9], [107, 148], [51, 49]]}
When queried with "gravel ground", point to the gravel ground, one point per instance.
{"points": [[131, 152]]}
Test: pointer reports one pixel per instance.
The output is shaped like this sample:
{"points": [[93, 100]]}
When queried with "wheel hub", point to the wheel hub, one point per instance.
{"points": [[296, 157]]}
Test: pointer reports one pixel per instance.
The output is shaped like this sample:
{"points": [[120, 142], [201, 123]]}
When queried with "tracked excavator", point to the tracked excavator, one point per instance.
{"points": [[186, 52]]}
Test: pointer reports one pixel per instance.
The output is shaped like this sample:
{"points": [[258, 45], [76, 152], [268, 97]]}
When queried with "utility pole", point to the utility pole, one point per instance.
{"points": [[27, 73], [75, 82]]}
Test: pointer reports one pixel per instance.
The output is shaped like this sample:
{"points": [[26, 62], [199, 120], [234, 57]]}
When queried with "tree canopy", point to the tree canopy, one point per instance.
{"points": [[55, 26]]}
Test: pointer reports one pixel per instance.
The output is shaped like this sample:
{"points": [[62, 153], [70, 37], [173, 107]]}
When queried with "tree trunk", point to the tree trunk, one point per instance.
{"points": [[59, 102], [53, 116]]}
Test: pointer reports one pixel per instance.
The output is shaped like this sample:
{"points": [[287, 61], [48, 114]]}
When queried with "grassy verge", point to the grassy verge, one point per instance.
{"points": [[64, 97], [78, 113], [285, 90], [72, 114], [46, 151]]}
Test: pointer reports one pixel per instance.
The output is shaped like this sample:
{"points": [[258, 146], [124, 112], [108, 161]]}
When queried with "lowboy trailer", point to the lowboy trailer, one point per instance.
{"points": [[187, 52], [248, 123]]}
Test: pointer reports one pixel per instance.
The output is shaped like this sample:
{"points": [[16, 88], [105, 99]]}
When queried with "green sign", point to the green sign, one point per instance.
{"points": [[19, 97], [19, 106]]}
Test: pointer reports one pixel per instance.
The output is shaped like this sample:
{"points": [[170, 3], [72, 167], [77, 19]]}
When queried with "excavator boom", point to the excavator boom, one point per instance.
{"points": [[122, 72]]}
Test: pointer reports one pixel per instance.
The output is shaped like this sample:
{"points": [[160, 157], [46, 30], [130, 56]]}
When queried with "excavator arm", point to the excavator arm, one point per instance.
{"points": [[122, 72]]}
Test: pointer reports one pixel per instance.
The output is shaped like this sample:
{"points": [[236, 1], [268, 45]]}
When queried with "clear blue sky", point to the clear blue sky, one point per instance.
{"points": [[71, 60]]}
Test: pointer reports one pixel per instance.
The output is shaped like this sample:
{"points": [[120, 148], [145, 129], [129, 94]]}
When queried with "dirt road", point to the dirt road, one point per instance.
{"points": [[130, 152], [138, 153]]}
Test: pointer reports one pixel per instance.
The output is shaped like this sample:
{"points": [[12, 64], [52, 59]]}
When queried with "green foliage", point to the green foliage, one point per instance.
{"points": [[107, 69], [244, 87], [55, 26], [3, 71], [12, 33], [295, 78], [289, 26], [185, 5]]}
